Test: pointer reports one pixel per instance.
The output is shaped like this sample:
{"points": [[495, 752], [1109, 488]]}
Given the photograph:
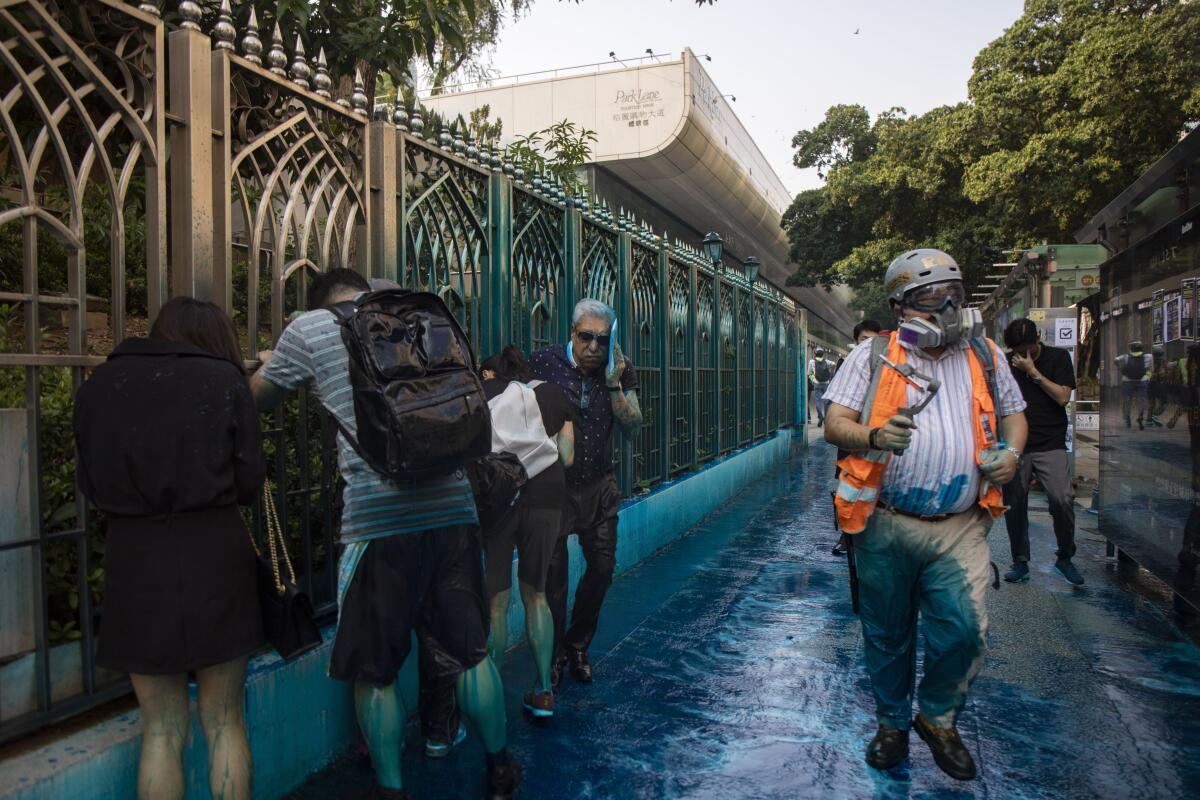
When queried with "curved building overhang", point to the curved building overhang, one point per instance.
{"points": [[666, 130]]}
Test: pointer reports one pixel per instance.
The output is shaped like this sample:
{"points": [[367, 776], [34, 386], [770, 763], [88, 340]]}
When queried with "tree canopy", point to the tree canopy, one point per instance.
{"points": [[1066, 108]]}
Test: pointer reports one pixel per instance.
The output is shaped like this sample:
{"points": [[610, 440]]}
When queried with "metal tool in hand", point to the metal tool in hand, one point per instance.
{"points": [[908, 374]]}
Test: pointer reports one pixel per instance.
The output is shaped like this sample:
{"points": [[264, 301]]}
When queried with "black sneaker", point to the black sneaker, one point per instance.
{"points": [[949, 752], [581, 667], [839, 549], [1018, 574], [502, 782], [888, 747]]}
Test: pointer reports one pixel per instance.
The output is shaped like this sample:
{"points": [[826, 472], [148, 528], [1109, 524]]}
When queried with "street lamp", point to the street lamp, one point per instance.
{"points": [[751, 265], [714, 247]]}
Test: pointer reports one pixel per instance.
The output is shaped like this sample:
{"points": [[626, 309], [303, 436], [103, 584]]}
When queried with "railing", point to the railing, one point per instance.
{"points": [[271, 181]]}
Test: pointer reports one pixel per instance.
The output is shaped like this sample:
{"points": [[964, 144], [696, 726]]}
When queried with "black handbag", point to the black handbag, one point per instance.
{"points": [[287, 613], [496, 480]]}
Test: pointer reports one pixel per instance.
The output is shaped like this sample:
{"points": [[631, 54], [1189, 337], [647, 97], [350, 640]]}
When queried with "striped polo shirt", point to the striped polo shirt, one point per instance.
{"points": [[937, 473], [311, 352]]}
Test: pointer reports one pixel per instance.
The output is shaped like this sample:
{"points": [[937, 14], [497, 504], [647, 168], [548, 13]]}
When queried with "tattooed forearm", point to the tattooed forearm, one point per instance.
{"points": [[627, 412]]}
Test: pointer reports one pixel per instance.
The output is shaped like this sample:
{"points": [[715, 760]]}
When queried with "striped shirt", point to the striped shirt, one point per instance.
{"points": [[310, 352], [937, 473]]}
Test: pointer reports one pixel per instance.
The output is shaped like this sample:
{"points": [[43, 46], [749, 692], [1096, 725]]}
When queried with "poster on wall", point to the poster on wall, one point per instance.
{"points": [[1172, 306], [1156, 318]]}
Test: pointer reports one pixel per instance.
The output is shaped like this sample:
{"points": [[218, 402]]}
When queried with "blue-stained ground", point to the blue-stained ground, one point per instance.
{"points": [[730, 666]]}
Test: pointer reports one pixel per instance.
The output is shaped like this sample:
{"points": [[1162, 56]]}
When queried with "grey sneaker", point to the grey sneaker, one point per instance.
{"points": [[1018, 574], [1065, 568]]}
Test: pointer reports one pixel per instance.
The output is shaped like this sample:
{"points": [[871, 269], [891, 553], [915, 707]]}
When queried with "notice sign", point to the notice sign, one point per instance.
{"points": [[1087, 422], [1064, 332]]}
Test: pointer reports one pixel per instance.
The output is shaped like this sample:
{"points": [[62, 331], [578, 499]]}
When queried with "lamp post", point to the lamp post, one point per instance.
{"points": [[751, 266], [714, 248]]}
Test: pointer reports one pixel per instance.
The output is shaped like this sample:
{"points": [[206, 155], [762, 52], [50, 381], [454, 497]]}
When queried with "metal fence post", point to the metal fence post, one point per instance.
{"points": [[693, 356], [625, 315], [572, 266], [662, 345], [222, 157], [718, 364], [190, 76], [498, 303], [381, 188]]}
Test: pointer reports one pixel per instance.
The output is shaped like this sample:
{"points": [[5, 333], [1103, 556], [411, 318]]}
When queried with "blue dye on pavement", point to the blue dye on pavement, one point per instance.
{"points": [[730, 665]]}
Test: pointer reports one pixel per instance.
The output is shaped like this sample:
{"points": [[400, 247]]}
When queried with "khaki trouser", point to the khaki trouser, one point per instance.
{"points": [[941, 570]]}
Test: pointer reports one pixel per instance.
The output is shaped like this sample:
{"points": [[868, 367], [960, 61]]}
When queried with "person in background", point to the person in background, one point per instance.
{"points": [[1046, 378], [921, 521], [533, 527], [412, 563], [603, 392], [820, 373], [1135, 368], [169, 445], [862, 331]]}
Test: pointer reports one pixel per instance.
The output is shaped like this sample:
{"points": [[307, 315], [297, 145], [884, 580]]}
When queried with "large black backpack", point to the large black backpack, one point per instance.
{"points": [[419, 407], [1134, 367], [822, 370]]}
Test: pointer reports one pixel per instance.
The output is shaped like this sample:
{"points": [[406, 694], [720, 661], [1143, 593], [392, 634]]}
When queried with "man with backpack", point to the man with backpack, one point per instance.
{"points": [[1135, 368], [412, 558], [820, 373], [601, 384], [931, 419]]}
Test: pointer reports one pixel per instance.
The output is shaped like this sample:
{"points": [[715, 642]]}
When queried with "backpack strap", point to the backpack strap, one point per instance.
{"points": [[344, 311], [879, 346], [987, 358]]}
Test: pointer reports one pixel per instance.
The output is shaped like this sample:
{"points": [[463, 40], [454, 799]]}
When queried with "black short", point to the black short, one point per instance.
{"points": [[430, 583], [534, 532]]}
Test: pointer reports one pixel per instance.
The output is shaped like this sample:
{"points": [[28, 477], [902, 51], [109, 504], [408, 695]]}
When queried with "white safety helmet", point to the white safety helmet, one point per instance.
{"points": [[918, 268]]}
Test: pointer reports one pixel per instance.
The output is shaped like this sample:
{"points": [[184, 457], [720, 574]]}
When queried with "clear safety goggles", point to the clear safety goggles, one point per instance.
{"points": [[933, 296]]}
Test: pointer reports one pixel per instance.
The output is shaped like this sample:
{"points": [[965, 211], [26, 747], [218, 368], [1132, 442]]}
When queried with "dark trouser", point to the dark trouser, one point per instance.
{"points": [[437, 704], [592, 514], [1053, 470]]}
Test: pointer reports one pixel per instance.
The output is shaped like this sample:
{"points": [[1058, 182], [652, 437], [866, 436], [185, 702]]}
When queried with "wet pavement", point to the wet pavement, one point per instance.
{"points": [[730, 666]]}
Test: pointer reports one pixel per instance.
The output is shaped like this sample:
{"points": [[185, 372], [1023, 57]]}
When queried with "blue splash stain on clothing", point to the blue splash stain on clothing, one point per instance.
{"points": [[919, 500]]}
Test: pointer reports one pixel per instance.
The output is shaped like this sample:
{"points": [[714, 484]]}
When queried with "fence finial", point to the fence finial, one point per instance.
{"points": [[358, 98], [415, 122], [472, 150], [322, 83], [400, 117], [147, 7], [276, 58], [223, 31], [251, 45], [300, 71], [495, 156], [191, 14]]}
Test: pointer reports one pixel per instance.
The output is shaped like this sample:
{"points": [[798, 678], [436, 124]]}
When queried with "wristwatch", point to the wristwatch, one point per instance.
{"points": [[616, 388], [1015, 452], [1036, 378]]}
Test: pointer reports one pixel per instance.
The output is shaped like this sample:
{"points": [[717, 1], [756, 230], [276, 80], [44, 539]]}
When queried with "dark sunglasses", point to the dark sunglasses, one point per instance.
{"points": [[587, 337]]}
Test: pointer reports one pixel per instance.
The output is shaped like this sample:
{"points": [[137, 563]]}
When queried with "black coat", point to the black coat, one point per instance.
{"points": [[164, 428]]}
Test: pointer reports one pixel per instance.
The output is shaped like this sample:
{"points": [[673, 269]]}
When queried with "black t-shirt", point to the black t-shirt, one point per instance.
{"points": [[1047, 419], [548, 489]]}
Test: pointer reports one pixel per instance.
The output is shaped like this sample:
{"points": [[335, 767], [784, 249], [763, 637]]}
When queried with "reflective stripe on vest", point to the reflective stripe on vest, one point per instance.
{"points": [[862, 472]]}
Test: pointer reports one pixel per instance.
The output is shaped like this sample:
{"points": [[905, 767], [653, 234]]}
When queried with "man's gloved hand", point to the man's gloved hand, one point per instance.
{"points": [[896, 433], [1001, 468]]}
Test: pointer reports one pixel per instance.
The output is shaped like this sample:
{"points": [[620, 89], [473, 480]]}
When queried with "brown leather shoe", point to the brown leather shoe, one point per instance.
{"points": [[948, 749], [557, 667], [888, 747]]}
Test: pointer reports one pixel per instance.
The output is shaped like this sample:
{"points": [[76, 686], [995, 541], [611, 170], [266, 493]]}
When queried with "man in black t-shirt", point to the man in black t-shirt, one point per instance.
{"points": [[1046, 377]]}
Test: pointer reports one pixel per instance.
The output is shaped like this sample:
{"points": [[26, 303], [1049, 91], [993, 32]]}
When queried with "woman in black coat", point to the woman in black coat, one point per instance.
{"points": [[169, 446]]}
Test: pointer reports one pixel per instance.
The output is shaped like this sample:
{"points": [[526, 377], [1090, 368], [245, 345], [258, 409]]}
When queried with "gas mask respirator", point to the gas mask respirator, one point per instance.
{"points": [[948, 326]]}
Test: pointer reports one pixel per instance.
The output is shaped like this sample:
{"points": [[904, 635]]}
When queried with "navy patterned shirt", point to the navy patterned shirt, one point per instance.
{"points": [[593, 404]]}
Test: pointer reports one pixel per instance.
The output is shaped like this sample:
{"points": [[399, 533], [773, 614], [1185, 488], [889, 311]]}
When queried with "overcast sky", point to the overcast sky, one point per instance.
{"points": [[786, 61]]}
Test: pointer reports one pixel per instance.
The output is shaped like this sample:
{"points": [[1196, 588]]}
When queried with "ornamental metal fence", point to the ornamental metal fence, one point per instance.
{"points": [[271, 180]]}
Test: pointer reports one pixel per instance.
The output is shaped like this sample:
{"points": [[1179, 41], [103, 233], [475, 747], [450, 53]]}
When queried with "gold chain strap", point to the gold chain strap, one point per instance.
{"points": [[275, 540]]}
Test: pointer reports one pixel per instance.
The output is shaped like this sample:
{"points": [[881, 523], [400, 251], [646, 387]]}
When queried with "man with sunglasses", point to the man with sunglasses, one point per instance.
{"points": [[603, 390], [932, 419]]}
